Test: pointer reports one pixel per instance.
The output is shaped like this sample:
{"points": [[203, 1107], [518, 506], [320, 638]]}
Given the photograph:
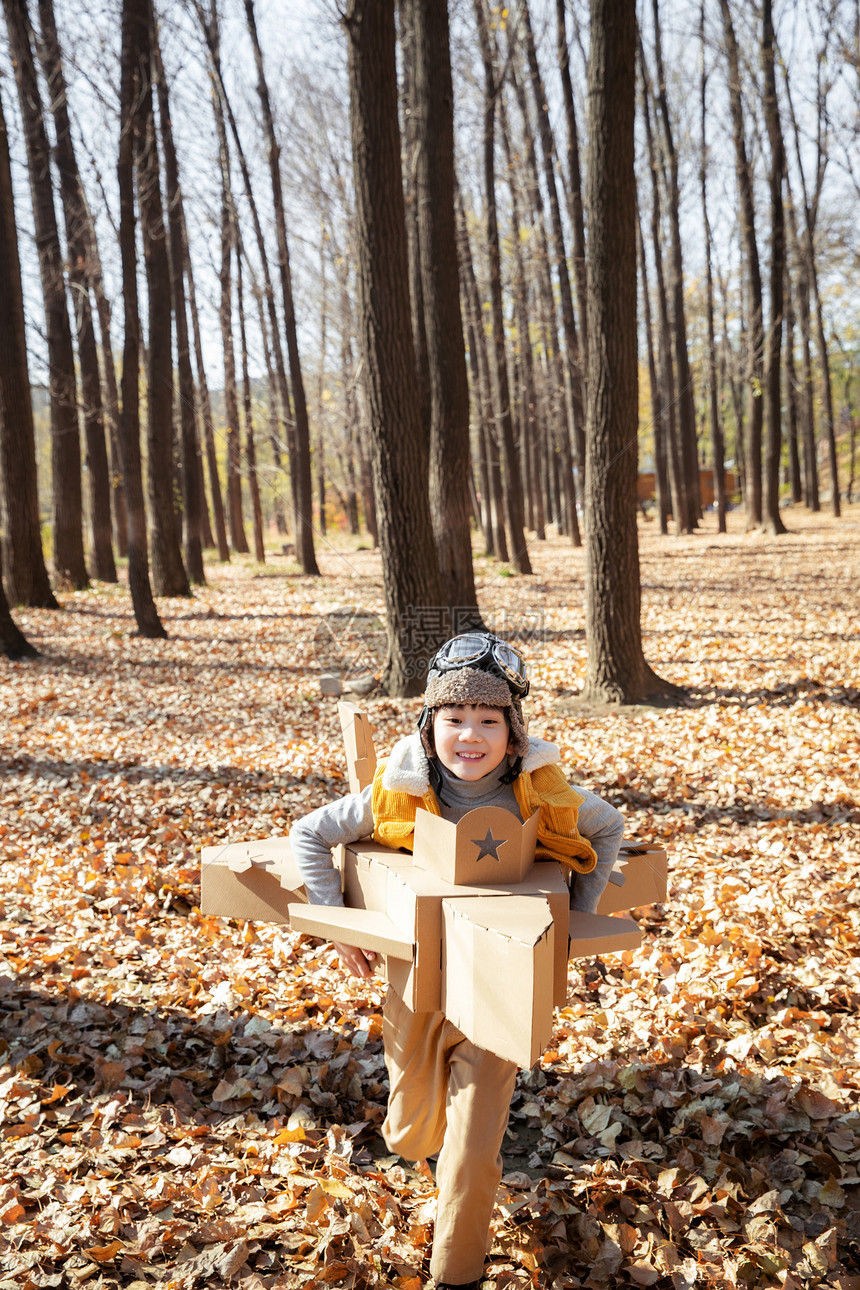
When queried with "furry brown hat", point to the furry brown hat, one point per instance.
{"points": [[469, 685]]}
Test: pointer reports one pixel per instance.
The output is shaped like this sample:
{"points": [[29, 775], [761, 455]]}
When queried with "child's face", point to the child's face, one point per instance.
{"points": [[471, 740]]}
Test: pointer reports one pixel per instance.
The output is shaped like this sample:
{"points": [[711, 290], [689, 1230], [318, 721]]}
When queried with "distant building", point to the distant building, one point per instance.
{"points": [[648, 486]]}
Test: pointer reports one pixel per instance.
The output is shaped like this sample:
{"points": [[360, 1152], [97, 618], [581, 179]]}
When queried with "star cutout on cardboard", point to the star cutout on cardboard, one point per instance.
{"points": [[488, 846]]}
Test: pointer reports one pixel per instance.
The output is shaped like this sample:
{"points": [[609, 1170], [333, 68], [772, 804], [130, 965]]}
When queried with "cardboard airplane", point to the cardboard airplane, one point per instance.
{"points": [[469, 924]]}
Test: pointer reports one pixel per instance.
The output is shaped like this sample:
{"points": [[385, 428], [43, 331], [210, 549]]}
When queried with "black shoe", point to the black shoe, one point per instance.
{"points": [[467, 1285]]}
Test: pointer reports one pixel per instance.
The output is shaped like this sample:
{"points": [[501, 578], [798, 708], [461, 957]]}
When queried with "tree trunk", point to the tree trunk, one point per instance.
{"points": [[717, 444], [572, 347], [13, 643], [111, 392], [412, 110], [677, 478], [69, 560], [443, 324], [569, 376], [660, 475], [225, 318], [250, 449], [301, 465], [350, 407], [320, 448], [75, 216], [493, 514], [168, 573], [574, 182], [274, 422], [827, 394], [791, 394], [810, 208], [134, 69], [486, 424], [772, 520], [560, 416], [686, 407], [210, 27], [513, 485], [616, 667], [208, 437], [192, 500], [22, 556], [755, 373], [807, 404], [411, 578]]}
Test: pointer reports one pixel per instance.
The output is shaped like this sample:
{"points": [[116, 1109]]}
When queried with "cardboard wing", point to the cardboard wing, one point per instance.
{"points": [[601, 934], [367, 928], [254, 880], [639, 878]]}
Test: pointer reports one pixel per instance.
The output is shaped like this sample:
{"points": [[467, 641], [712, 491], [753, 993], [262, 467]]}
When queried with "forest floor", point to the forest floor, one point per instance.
{"points": [[187, 1101]]}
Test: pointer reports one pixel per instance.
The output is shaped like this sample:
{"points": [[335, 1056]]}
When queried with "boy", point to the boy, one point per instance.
{"points": [[471, 750]]}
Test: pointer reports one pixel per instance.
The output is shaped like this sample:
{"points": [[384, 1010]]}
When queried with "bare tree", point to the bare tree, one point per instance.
{"points": [[686, 407], [301, 464], [660, 470], [681, 507], [225, 318], [192, 477], [22, 557], [811, 204], [513, 486], [168, 572], [134, 70], [807, 404], [247, 405], [616, 667], [791, 394], [755, 337], [717, 443], [76, 221], [492, 493], [771, 518], [208, 435], [572, 347], [410, 148], [411, 578], [574, 186], [65, 436], [111, 390], [443, 325]]}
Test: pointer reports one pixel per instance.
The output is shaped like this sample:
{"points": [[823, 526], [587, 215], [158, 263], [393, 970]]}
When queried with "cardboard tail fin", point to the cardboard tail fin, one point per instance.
{"points": [[358, 741]]}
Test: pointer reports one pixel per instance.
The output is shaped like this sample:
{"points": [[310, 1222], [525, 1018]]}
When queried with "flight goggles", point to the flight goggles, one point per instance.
{"points": [[485, 651]]}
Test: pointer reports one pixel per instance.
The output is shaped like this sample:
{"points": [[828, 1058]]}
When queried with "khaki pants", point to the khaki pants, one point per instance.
{"points": [[444, 1090]]}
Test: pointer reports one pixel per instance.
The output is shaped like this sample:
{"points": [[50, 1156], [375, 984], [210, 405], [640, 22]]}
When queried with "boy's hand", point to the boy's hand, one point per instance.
{"points": [[358, 961]]}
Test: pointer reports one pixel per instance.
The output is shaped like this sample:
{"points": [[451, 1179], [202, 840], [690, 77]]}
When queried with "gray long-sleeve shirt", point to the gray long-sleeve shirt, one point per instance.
{"points": [[351, 818]]}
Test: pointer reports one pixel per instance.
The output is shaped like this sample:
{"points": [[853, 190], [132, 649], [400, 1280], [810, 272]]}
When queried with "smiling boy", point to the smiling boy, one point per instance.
{"points": [[471, 750]]}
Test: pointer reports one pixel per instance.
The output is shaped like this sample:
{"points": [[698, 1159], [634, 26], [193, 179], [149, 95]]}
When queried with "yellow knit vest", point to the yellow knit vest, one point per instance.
{"points": [[545, 790]]}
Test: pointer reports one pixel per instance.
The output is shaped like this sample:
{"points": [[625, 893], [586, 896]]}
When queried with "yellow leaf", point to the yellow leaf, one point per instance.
{"points": [[332, 1187], [290, 1135], [104, 1253]]}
